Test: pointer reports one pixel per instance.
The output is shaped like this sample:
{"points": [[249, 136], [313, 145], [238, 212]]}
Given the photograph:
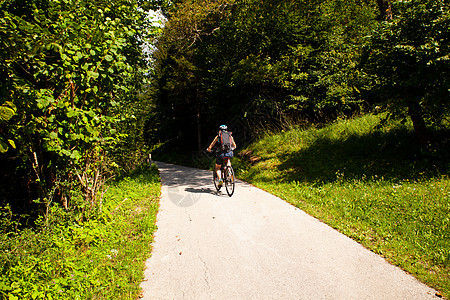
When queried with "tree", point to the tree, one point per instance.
{"points": [[179, 95], [67, 68], [264, 63], [409, 58]]}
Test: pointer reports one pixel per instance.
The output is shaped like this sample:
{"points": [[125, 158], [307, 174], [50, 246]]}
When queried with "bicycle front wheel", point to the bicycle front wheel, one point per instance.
{"points": [[229, 180]]}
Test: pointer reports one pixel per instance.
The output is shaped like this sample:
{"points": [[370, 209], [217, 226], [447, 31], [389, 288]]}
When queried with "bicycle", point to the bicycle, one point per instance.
{"points": [[228, 178]]}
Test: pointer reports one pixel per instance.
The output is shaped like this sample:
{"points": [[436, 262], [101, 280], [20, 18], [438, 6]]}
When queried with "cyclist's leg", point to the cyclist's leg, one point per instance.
{"points": [[217, 170], [219, 162], [229, 155]]}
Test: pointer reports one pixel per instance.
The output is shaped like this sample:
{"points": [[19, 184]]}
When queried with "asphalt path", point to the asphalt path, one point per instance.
{"points": [[254, 245]]}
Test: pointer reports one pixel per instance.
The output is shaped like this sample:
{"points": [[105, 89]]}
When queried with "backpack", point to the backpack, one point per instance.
{"points": [[225, 140]]}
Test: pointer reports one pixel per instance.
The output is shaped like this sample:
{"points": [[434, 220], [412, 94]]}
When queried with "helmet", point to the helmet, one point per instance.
{"points": [[223, 127]]}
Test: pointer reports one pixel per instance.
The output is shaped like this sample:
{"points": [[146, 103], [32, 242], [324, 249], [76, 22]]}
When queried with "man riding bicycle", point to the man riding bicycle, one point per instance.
{"points": [[226, 147]]}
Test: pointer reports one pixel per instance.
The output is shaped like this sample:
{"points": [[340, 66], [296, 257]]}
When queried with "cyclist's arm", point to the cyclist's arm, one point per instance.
{"points": [[233, 144], [212, 144]]}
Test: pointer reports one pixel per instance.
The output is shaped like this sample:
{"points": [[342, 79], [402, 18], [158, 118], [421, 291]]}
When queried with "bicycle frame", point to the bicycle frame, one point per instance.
{"points": [[226, 162]]}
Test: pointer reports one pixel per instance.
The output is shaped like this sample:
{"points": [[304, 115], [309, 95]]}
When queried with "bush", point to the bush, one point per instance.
{"points": [[99, 258]]}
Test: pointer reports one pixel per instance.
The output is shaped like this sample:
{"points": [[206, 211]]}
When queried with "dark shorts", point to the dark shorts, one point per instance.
{"points": [[221, 155]]}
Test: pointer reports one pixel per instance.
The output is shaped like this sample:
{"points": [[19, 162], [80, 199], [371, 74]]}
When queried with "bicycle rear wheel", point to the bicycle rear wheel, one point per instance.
{"points": [[229, 180]]}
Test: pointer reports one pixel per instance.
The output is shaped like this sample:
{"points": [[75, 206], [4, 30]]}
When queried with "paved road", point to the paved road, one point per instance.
{"points": [[256, 246]]}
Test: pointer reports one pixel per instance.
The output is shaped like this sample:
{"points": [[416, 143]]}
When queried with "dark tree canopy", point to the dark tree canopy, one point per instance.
{"points": [[257, 64]]}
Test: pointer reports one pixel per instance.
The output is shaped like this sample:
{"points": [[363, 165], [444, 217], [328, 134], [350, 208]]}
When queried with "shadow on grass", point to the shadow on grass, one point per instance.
{"points": [[392, 156]]}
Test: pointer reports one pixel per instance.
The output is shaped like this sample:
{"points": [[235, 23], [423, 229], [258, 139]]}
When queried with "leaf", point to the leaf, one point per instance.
{"points": [[53, 135], [15, 285], [108, 57], [6, 113], [91, 114], [92, 74], [60, 104], [3, 147], [75, 155], [71, 113], [12, 143], [12, 297]]}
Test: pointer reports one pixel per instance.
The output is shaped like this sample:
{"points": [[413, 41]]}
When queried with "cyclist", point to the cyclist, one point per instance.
{"points": [[227, 145]]}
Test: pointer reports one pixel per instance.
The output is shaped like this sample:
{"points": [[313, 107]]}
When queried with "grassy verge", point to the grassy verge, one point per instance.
{"points": [[370, 182], [102, 258]]}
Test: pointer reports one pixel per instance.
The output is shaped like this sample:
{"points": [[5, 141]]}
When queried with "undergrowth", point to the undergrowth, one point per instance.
{"points": [[99, 258]]}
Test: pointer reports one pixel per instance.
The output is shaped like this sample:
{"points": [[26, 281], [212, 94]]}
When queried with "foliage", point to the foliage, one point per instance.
{"points": [[371, 182], [101, 258], [257, 63], [409, 58], [67, 69], [177, 83]]}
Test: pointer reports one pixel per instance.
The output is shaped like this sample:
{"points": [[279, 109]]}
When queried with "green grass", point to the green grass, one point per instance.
{"points": [[370, 182], [100, 258]]}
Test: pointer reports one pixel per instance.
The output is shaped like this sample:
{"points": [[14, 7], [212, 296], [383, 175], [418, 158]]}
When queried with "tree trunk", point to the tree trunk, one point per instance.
{"points": [[420, 129], [385, 10]]}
